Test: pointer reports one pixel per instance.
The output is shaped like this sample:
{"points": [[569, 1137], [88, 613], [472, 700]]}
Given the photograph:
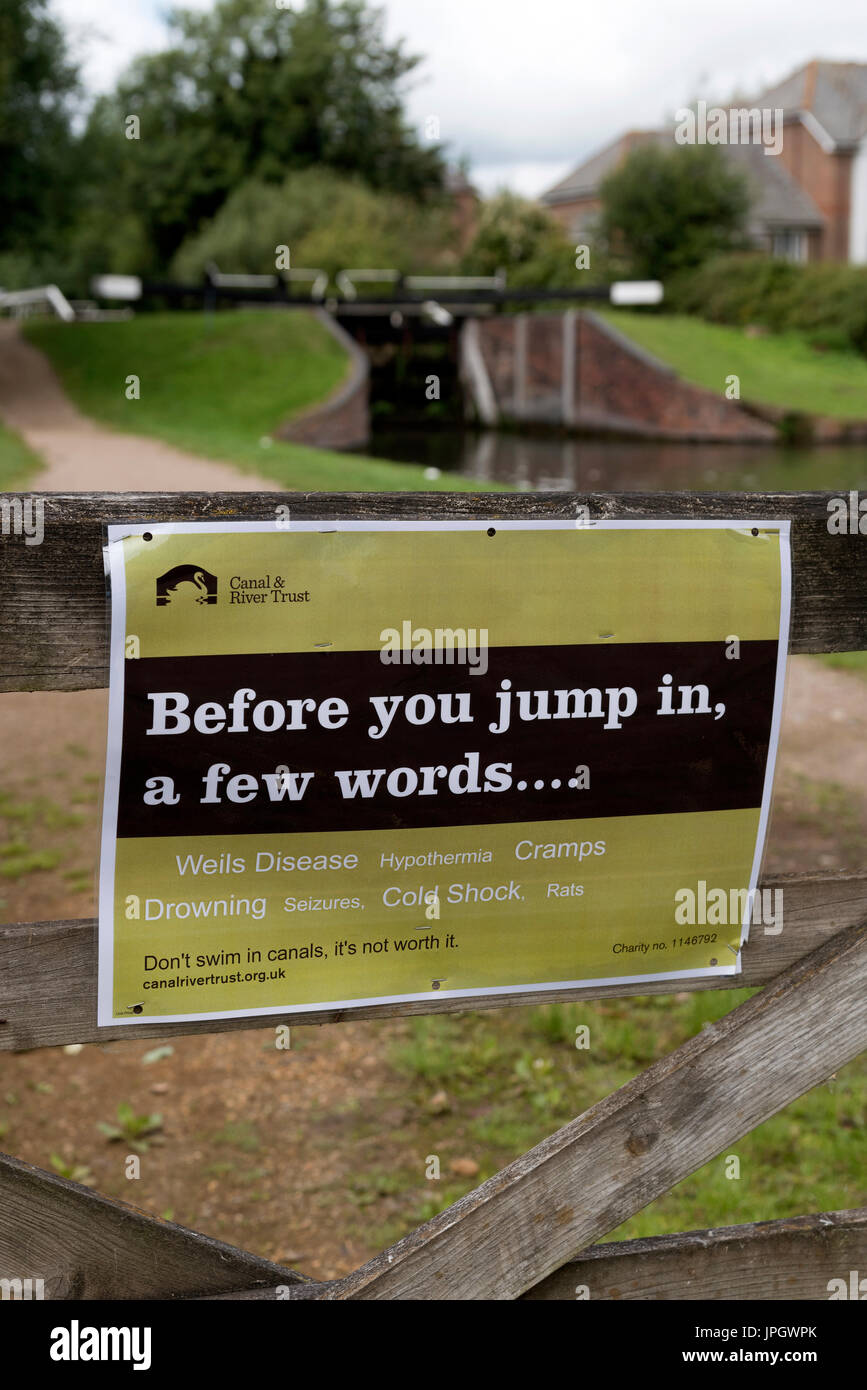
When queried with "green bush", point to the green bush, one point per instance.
{"points": [[666, 209], [521, 238], [328, 221], [828, 302]]}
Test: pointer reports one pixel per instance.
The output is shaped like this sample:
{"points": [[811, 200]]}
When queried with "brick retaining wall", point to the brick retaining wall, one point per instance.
{"points": [[612, 386], [343, 420]]}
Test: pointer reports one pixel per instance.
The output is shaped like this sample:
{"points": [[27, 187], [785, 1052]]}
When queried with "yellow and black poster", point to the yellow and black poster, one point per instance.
{"points": [[364, 762]]}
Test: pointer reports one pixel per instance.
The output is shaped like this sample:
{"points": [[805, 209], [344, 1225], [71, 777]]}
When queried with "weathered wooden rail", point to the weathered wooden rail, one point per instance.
{"points": [[53, 631], [527, 1232]]}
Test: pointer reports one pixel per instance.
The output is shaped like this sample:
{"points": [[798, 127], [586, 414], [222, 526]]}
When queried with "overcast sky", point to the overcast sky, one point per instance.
{"points": [[528, 89]]}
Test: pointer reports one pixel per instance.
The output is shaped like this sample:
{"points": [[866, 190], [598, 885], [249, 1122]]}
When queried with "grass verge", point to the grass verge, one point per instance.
{"points": [[777, 369], [18, 464], [216, 386]]}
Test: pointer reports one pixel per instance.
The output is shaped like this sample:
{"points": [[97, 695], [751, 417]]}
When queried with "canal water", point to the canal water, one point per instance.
{"points": [[550, 463]]}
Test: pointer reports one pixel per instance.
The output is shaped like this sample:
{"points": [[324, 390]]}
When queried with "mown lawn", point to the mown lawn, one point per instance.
{"points": [[777, 369], [19, 466], [488, 1086], [217, 386]]}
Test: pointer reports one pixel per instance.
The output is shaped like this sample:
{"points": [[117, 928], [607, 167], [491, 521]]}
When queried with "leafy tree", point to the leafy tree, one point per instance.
{"points": [[251, 91], [664, 210], [327, 220], [38, 87], [521, 238]]}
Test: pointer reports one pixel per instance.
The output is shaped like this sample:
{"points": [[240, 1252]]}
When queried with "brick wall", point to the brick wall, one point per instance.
{"points": [[343, 420], [615, 386], [827, 179]]}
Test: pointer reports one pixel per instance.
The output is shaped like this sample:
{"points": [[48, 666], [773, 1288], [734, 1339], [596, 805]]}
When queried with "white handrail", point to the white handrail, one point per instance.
{"points": [[348, 279], [345, 280], [43, 294], [240, 282], [268, 282], [456, 282]]}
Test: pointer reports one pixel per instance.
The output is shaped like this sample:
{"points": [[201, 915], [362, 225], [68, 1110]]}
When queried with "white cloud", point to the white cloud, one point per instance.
{"points": [[105, 35], [528, 179]]}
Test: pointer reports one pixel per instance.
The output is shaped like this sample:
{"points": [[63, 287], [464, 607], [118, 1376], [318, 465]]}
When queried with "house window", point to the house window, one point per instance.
{"points": [[789, 244]]}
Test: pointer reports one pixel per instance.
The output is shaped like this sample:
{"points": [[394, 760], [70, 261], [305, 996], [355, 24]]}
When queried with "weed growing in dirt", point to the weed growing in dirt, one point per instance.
{"points": [[17, 855], [76, 1172], [239, 1134], [835, 811], [138, 1131]]}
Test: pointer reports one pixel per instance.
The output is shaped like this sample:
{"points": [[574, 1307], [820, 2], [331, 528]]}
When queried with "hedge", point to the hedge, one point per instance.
{"points": [[826, 301]]}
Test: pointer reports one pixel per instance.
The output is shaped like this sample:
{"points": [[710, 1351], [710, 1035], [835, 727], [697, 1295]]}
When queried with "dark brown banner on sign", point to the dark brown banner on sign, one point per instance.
{"points": [[343, 741]]}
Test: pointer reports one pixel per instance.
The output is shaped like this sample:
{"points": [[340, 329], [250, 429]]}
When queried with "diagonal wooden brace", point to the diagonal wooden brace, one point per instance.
{"points": [[631, 1147]]}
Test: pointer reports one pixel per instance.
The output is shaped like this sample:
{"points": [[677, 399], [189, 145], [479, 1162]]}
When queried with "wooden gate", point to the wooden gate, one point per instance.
{"points": [[528, 1231]]}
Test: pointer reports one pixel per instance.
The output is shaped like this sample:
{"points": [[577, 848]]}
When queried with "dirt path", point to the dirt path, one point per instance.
{"points": [[819, 814], [82, 456]]}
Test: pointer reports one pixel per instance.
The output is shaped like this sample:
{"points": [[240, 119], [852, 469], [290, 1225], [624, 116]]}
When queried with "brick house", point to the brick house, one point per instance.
{"points": [[809, 202]]}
